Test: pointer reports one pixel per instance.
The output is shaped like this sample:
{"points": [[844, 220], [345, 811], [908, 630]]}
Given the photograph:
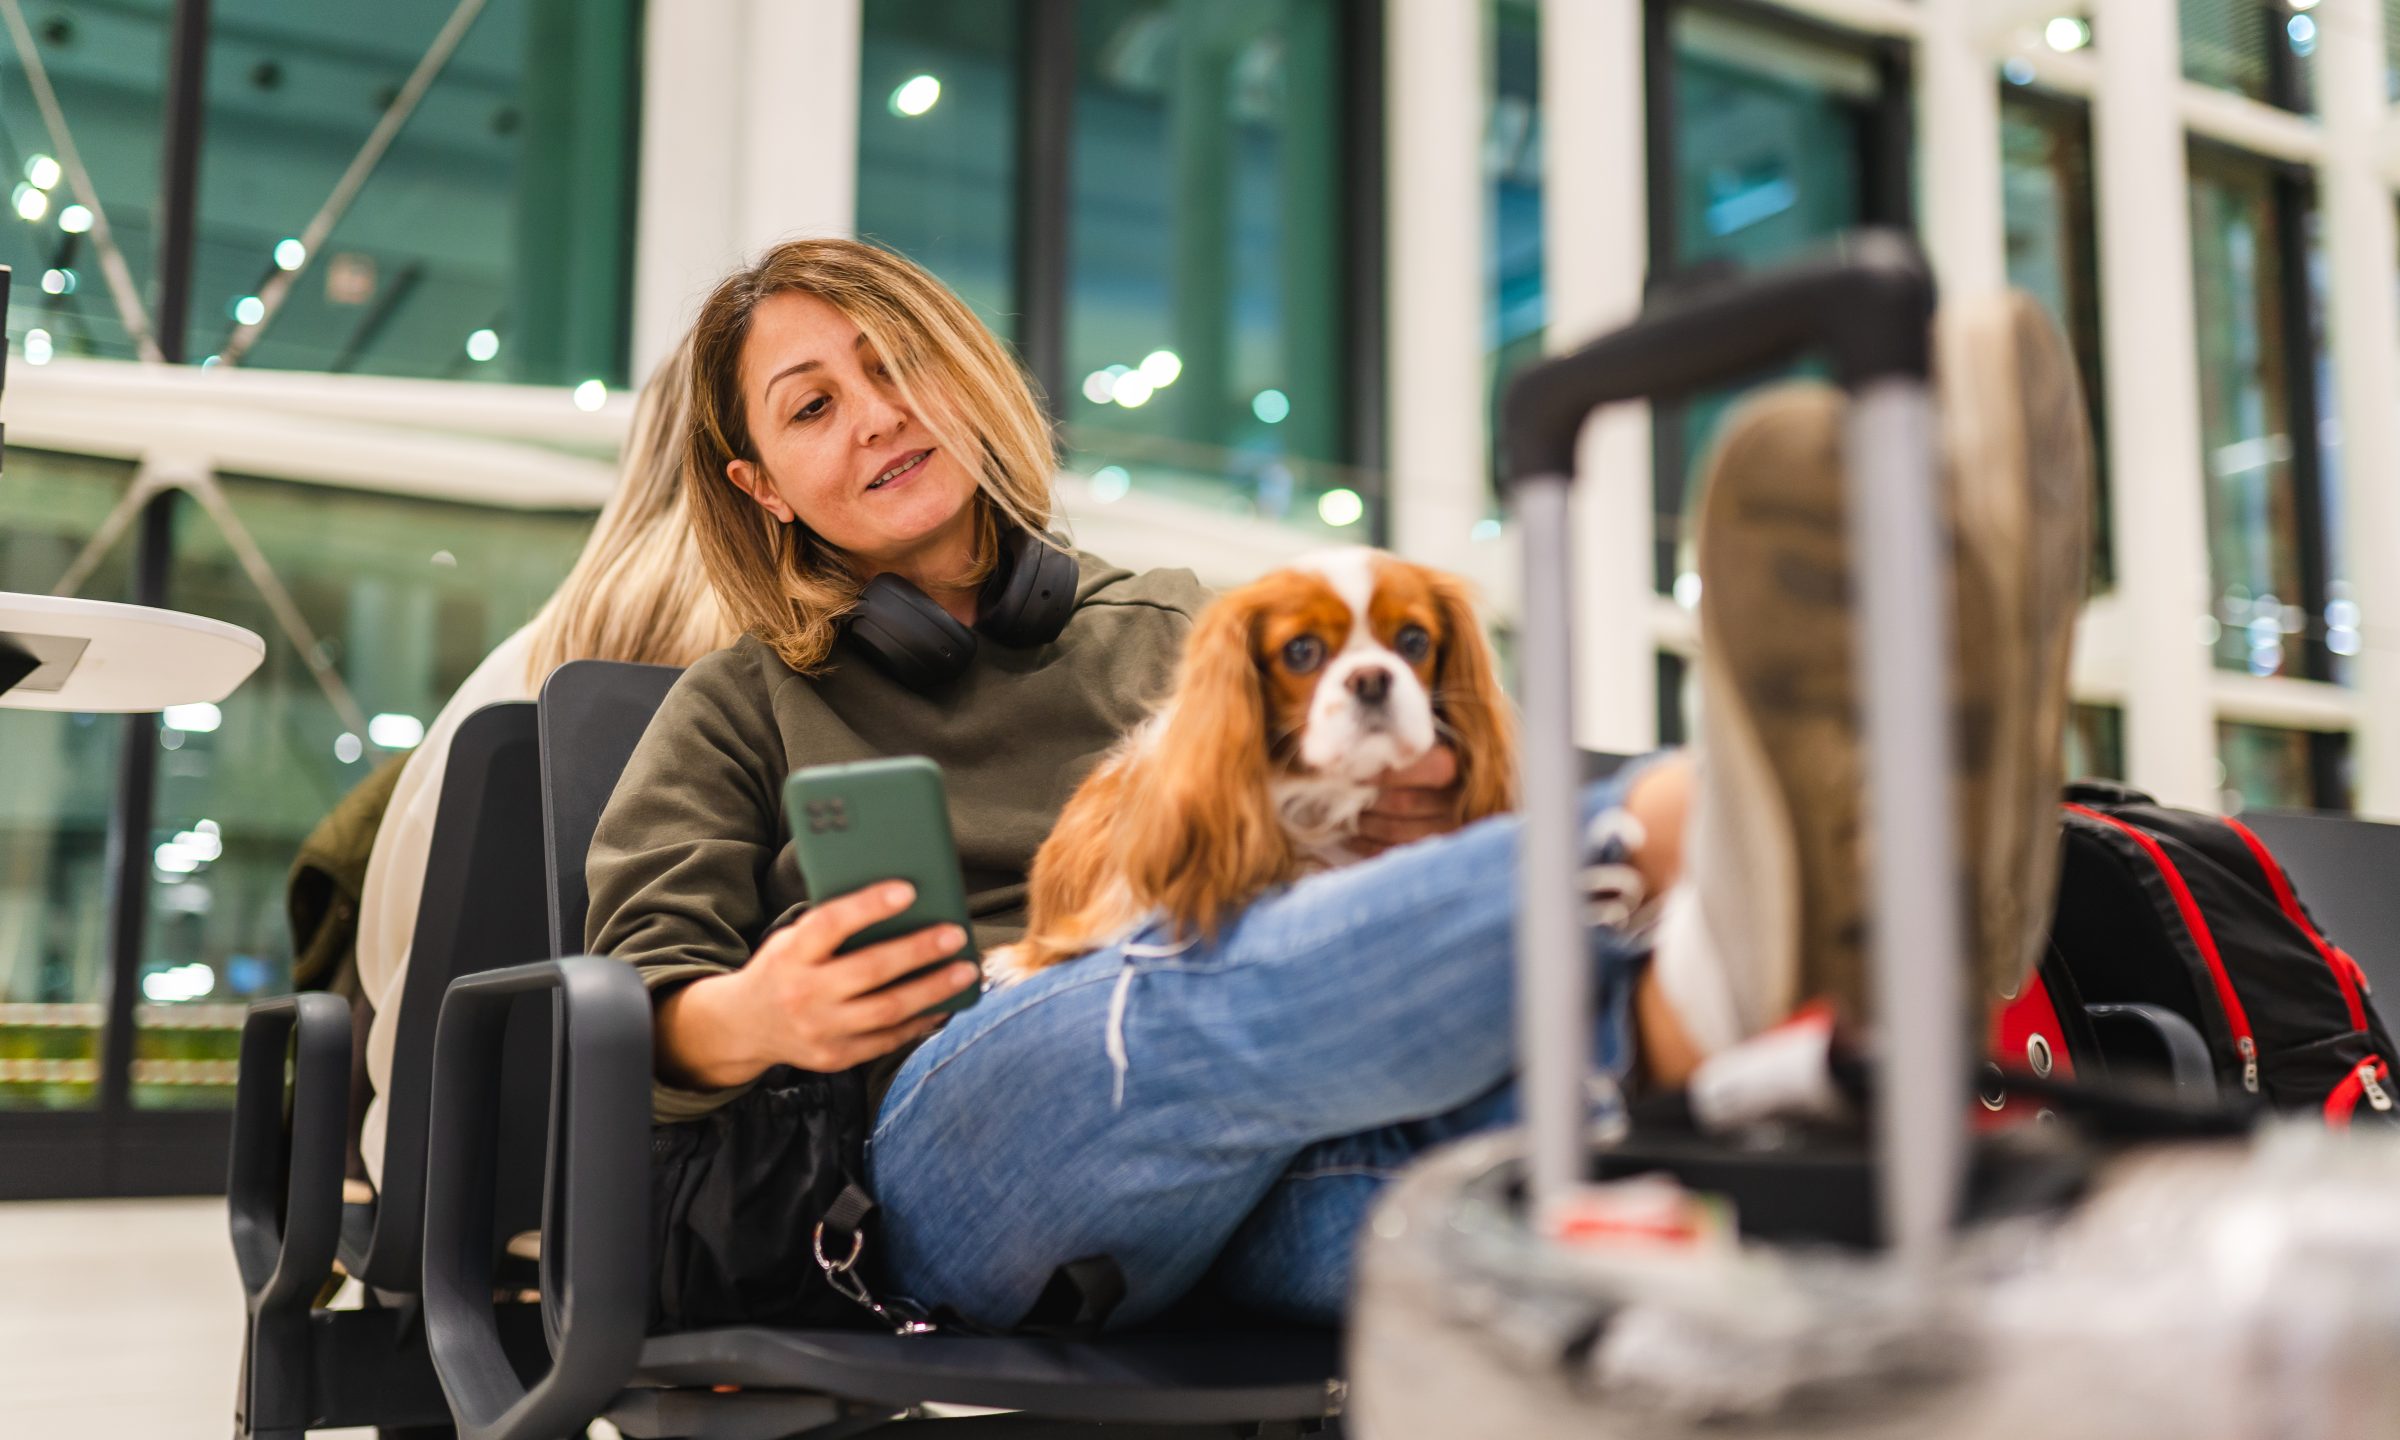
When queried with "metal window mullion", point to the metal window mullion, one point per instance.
{"points": [[1045, 176], [185, 113], [1365, 233], [2291, 203]]}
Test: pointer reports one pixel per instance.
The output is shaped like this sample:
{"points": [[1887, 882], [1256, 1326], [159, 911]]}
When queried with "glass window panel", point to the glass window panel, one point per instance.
{"points": [[2246, 382], [106, 63], [2263, 766], [404, 598], [504, 205], [2261, 49], [55, 791], [2053, 254], [1512, 162], [937, 143], [2095, 742], [1773, 138], [1205, 338]]}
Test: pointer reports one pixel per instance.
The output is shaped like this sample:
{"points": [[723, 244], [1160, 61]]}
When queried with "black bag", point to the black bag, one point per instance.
{"points": [[736, 1199], [2192, 912]]}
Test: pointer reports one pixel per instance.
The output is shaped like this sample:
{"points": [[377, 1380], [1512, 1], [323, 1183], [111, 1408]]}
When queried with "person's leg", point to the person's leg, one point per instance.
{"points": [[1138, 1102]]}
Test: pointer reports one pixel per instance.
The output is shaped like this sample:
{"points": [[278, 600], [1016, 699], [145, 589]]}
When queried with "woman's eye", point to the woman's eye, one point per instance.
{"points": [[1303, 654], [1413, 643], [812, 409]]}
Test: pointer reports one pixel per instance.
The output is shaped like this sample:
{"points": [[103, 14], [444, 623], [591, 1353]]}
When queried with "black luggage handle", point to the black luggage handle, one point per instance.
{"points": [[284, 1243], [595, 1268], [1866, 307]]}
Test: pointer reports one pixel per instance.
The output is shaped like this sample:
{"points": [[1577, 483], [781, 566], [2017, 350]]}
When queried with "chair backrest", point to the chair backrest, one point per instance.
{"points": [[483, 907], [593, 713], [2348, 874]]}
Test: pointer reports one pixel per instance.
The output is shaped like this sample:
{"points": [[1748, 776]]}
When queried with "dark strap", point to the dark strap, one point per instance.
{"points": [[850, 1210], [1080, 1297]]}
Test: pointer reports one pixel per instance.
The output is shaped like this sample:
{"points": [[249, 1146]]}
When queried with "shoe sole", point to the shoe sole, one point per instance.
{"points": [[2019, 457], [1777, 617]]}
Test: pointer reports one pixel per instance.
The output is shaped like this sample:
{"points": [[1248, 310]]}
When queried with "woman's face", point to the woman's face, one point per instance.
{"points": [[837, 450]]}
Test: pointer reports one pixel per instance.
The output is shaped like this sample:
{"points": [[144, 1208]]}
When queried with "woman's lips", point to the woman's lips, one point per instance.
{"points": [[902, 473]]}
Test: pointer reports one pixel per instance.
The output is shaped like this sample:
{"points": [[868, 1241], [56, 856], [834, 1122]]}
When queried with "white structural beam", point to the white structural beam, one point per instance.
{"points": [[2153, 397], [1958, 159], [1434, 267], [2360, 249], [1595, 252], [749, 135]]}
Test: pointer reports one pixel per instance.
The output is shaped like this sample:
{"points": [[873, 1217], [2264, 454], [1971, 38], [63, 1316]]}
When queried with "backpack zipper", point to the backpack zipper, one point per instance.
{"points": [[2195, 924], [2348, 977], [2363, 1080]]}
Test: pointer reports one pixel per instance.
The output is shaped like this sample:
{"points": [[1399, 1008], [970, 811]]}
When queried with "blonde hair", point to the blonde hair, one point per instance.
{"points": [[784, 583], [638, 591]]}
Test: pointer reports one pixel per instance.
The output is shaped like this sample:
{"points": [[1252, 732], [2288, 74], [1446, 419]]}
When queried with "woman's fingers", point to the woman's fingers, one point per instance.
{"points": [[859, 1049], [1413, 805], [1436, 769], [896, 1005], [817, 935], [863, 971]]}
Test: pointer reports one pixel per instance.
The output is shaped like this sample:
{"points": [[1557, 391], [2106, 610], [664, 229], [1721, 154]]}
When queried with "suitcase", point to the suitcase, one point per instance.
{"points": [[2154, 1269]]}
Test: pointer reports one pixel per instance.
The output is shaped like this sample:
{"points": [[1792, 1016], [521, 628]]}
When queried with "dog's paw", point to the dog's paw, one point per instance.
{"points": [[1008, 964]]}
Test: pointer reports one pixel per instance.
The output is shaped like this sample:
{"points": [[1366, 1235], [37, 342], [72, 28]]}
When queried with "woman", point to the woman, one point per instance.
{"points": [[1179, 1107], [637, 592]]}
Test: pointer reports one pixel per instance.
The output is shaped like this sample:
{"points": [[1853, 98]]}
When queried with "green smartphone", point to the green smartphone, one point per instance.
{"points": [[861, 824]]}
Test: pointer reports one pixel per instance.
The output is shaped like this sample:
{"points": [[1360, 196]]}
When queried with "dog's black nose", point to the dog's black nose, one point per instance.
{"points": [[1371, 685]]}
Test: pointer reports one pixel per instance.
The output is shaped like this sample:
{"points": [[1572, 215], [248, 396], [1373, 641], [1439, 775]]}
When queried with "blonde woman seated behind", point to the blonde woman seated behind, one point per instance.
{"points": [[638, 592]]}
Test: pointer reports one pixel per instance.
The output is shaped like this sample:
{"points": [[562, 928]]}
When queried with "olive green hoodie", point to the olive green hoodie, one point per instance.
{"points": [[692, 864]]}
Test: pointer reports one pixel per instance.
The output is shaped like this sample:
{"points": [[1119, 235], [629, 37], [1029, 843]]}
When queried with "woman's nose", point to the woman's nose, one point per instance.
{"points": [[880, 419]]}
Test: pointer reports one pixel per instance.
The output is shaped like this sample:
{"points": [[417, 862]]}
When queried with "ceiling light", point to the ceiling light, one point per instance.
{"points": [[2067, 33], [916, 95]]}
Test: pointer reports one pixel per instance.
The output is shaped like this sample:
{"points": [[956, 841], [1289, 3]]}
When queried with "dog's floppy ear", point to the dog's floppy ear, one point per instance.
{"points": [[1199, 834], [1475, 713]]}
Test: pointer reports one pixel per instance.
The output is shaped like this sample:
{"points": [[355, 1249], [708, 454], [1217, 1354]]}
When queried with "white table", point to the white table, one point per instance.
{"points": [[98, 655]]}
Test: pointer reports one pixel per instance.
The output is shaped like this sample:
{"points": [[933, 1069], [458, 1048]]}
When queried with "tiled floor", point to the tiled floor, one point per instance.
{"points": [[119, 1320]]}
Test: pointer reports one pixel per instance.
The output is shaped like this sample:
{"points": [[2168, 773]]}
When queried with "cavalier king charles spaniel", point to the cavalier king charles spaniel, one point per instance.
{"points": [[1295, 692]]}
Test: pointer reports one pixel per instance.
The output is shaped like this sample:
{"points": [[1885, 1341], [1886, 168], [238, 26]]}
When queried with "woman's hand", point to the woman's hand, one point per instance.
{"points": [[798, 1003], [1418, 800]]}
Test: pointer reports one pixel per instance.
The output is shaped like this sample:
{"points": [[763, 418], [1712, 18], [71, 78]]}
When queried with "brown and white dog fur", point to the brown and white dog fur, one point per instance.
{"points": [[1295, 691]]}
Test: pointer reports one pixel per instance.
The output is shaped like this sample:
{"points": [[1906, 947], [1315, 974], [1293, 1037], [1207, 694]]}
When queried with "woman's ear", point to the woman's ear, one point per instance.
{"points": [[751, 479], [1199, 835], [1474, 710]]}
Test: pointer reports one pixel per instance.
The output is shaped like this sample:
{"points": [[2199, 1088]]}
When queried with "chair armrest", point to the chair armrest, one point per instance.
{"points": [[284, 1243], [596, 1211], [2177, 1040]]}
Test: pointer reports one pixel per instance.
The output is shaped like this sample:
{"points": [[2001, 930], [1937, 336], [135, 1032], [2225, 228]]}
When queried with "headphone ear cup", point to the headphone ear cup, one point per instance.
{"points": [[1030, 600], [907, 636]]}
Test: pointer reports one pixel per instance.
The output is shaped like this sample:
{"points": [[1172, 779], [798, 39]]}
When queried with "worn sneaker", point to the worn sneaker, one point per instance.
{"points": [[1773, 910], [1772, 906], [2018, 452]]}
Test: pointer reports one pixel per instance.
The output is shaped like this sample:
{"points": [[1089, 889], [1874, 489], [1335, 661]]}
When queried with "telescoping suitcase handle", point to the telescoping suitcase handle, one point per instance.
{"points": [[1867, 309]]}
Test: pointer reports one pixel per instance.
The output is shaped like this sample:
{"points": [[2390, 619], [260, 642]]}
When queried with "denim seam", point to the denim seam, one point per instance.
{"points": [[894, 1107]]}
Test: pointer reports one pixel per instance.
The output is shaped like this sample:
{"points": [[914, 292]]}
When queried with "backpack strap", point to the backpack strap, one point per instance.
{"points": [[840, 1240]]}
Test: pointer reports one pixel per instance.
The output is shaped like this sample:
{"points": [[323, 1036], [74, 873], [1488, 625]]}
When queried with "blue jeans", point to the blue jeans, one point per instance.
{"points": [[1233, 1105]]}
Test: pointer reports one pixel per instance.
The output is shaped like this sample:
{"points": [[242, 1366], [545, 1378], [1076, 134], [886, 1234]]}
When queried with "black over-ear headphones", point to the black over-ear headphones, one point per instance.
{"points": [[1026, 602]]}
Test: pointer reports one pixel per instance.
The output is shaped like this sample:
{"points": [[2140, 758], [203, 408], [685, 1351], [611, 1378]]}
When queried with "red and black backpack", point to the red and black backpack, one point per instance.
{"points": [[2164, 910]]}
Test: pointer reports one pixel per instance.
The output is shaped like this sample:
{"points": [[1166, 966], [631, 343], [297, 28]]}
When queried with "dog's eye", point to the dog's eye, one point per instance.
{"points": [[1413, 643], [1303, 653]]}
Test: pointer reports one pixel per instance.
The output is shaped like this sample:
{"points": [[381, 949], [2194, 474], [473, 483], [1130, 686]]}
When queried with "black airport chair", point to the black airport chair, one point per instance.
{"points": [[304, 1366], [745, 1382]]}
